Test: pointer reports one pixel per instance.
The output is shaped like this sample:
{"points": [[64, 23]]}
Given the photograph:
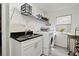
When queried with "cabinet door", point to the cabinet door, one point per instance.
{"points": [[15, 48], [61, 39], [33, 48], [28, 50], [72, 44]]}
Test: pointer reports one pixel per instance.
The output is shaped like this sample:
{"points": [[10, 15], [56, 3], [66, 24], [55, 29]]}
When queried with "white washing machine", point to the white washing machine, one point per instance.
{"points": [[47, 37]]}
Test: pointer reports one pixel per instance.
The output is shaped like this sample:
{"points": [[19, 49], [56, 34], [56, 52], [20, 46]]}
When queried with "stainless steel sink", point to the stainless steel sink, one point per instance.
{"points": [[29, 36]]}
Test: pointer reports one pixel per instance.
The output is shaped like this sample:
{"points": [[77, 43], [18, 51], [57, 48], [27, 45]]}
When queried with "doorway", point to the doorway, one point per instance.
{"points": [[0, 30]]}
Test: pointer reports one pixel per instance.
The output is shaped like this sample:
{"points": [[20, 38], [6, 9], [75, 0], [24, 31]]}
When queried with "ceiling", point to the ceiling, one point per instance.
{"points": [[51, 7]]}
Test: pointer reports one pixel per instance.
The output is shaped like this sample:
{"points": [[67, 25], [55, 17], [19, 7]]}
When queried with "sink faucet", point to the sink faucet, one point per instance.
{"points": [[25, 29]]}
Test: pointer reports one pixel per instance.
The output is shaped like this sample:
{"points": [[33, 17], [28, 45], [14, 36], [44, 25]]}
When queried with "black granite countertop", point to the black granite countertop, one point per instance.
{"points": [[20, 36]]}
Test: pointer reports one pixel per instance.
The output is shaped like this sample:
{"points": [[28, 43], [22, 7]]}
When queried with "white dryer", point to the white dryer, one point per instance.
{"points": [[47, 36], [48, 39], [46, 43]]}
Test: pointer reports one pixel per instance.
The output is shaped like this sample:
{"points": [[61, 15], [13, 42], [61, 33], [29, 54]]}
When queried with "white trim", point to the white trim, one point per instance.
{"points": [[5, 29]]}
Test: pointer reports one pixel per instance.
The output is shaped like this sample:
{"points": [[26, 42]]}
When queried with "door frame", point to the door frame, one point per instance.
{"points": [[5, 29]]}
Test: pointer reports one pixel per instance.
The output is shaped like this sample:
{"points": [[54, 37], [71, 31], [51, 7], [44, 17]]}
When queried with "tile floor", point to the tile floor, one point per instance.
{"points": [[59, 51]]}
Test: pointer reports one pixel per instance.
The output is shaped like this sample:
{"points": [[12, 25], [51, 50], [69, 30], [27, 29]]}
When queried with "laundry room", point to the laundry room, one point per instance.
{"points": [[40, 29]]}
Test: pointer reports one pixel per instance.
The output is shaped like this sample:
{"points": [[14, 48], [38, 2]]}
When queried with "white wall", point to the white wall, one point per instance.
{"points": [[74, 11], [20, 22]]}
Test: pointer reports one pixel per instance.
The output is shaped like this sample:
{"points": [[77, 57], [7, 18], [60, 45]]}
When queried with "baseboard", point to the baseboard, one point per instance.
{"points": [[60, 46]]}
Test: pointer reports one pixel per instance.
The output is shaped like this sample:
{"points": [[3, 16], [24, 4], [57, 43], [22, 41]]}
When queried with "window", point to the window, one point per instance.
{"points": [[63, 23], [64, 20]]}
